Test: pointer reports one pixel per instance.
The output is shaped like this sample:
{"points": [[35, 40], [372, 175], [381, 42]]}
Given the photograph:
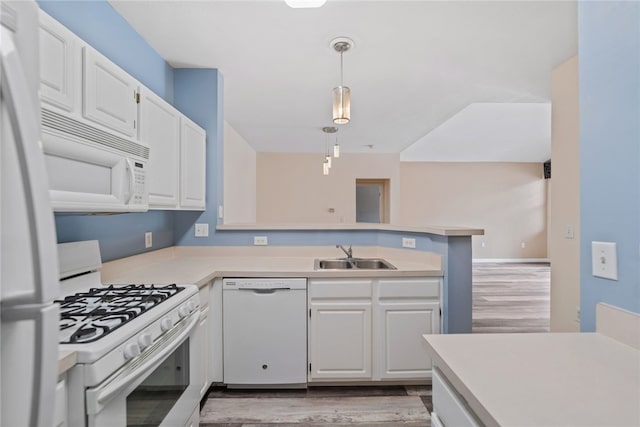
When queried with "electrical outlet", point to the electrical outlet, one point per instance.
{"points": [[202, 230], [260, 240], [483, 244], [220, 212], [604, 262], [148, 239], [408, 243], [577, 313], [523, 245]]}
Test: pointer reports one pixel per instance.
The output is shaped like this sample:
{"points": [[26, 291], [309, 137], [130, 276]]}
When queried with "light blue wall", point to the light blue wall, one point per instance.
{"points": [[198, 94], [97, 23], [609, 70]]}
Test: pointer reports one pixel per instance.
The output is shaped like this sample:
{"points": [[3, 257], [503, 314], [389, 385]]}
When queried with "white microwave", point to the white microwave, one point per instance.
{"points": [[91, 170]]}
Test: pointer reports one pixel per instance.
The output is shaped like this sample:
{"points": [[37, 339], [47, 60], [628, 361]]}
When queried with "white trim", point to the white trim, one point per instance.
{"points": [[511, 260]]}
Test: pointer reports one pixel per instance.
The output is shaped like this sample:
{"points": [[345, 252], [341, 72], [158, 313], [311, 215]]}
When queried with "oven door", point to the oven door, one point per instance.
{"points": [[158, 388]]}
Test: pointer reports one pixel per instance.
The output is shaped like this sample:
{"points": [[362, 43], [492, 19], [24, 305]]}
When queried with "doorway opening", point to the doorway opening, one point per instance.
{"points": [[372, 200]]}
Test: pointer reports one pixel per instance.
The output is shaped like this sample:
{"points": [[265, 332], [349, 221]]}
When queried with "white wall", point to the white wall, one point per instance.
{"points": [[239, 179], [292, 189], [565, 198]]}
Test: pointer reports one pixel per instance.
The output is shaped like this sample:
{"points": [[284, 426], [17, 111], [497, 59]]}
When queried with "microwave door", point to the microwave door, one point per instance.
{"points": [[28, 258]]}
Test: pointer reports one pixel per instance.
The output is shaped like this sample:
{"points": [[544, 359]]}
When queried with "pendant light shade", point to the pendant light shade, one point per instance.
{"points": [[304, 3], [336, 150], [341, 94], [341, 105]]}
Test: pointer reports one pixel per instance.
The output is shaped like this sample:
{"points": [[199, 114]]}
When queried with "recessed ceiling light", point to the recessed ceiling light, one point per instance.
{"points": [[305, 3]]}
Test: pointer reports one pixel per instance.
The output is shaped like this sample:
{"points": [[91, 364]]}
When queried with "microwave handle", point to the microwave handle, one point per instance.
{"points": [[99, 397], [132, 179], [26, 128]]}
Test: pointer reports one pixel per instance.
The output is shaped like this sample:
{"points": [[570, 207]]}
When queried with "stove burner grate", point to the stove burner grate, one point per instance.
{"points": [[99, 311]]}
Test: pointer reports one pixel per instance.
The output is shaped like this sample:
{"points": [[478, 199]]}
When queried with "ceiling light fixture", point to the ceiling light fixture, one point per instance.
{"points": [[296, 4], [341, 94], [326, 165]]}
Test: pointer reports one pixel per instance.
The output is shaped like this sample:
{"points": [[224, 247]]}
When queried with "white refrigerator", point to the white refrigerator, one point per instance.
{"points": [[28, 257]]}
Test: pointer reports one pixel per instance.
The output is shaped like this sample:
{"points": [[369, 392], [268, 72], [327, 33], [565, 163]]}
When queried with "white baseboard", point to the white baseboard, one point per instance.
{"points": [[511, 260]]}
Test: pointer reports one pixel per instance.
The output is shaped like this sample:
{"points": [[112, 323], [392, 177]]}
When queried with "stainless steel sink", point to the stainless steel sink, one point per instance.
{"points": [[353, 264]]}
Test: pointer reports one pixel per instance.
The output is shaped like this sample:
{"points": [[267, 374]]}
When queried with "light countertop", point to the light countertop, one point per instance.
{"points": [[547, 379], [66, 360], [200, 264], [442, 230]]}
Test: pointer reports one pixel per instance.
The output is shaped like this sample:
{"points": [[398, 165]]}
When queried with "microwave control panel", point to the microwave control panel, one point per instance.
{"points": [[139, 196]]}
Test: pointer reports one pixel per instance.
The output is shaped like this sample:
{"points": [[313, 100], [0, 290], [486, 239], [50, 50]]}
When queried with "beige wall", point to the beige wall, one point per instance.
{"points": [[507, 200], [292, 189], [239, 179], [565, 198]]}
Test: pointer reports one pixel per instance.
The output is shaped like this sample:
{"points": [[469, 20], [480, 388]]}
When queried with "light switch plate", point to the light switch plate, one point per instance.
{"points": [[604, 261], [148, 239], [202, 230], [568, 231]]}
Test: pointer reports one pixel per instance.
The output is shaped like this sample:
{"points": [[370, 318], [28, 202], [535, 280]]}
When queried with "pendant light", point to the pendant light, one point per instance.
{"points": [[326, 165], [341, 94]]}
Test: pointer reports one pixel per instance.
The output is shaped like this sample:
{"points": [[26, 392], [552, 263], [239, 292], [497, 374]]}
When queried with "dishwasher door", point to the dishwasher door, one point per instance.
{"points": [[265, 332]]}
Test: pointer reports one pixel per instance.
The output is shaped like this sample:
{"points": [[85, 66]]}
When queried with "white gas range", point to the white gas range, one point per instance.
{"points": [[137, 346]]}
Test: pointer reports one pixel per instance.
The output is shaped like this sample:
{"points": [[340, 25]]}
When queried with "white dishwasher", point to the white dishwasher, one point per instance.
{"points": [[264, 325]]}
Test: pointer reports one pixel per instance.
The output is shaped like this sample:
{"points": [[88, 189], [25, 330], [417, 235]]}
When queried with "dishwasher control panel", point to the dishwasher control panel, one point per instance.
{"points": [[293, 283]]}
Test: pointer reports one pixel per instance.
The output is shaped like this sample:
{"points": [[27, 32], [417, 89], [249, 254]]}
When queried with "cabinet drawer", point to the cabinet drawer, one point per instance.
{"points": [[419, 288], [331, 289], [449, 406]]}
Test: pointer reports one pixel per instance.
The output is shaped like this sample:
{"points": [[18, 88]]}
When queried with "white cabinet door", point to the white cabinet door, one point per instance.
{"points": [[204, 351], [340, 329], [160, 128], [405, 310], [402, 353], [60, 415], [59, 55], [340, 341], [109, 94], [192, 165]]}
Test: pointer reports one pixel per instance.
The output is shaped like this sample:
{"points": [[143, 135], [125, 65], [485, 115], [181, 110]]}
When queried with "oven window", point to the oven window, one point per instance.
{"points": [[152, 400]]}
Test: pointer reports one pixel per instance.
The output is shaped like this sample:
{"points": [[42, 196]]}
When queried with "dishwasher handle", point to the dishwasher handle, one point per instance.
{"points": [[264, 290]]}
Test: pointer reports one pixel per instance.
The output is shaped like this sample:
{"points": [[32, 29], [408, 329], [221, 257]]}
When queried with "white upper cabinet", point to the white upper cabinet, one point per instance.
{"points": [[160, 128], [59, 64], [192, 165], [109, 93]]}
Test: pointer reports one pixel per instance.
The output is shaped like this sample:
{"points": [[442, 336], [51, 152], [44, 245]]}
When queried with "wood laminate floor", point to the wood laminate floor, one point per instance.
{"points": [[511, 297], [506, 298]]}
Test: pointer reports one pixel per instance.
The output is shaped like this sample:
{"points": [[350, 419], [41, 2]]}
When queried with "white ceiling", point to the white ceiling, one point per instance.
{"points": [[431, 74]]}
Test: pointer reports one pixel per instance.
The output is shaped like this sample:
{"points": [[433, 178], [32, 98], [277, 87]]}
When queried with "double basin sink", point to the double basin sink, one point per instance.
{"points": [[353, 264]]}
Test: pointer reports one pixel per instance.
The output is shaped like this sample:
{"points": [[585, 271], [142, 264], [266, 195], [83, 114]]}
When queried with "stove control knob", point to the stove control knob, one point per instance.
{"points": [[131, 350], [191, 305], [166, 324], [145, 340], [183, 311]]}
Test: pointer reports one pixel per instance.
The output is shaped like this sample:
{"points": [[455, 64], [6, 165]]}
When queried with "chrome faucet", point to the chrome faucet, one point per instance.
{"points": [[348, 252]]}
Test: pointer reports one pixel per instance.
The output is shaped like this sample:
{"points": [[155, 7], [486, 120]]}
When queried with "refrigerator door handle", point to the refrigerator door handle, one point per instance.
{"points": [[25, 122], [45, 357]]}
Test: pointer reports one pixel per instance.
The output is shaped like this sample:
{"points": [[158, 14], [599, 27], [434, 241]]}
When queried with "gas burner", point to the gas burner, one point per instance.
{"points": [[88, 316]]}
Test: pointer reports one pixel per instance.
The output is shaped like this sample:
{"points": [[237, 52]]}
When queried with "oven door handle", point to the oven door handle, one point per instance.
{"points": [[98, 397]]}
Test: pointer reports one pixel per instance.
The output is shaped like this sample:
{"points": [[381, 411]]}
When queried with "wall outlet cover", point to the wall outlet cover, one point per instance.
{"points": [[148, 239], [202, 230], [260, 240], [408, 243], [604, 260]]}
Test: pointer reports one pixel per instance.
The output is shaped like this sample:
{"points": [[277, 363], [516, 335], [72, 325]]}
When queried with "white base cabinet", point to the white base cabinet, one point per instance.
{"points": [[61, 415], [371, 330], [404, 311], [339, 329]]}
